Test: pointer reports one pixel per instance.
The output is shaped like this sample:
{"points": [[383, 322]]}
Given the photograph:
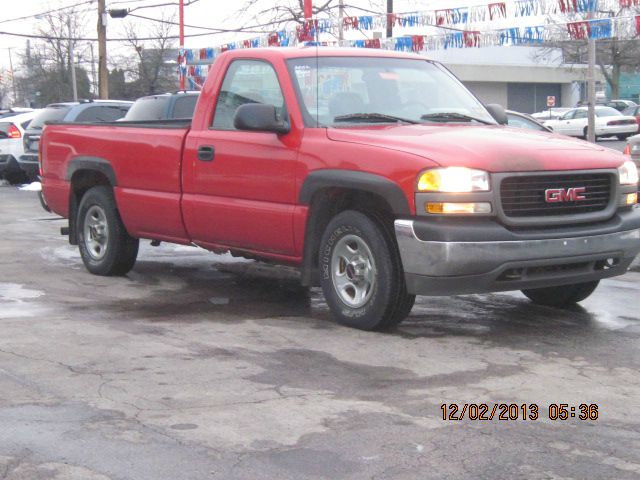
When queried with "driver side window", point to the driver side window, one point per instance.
{"points": [[569, 115], [247, 81]]}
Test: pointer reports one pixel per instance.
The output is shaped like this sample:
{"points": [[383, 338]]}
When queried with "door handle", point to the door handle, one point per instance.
{"points": [[206, 153]]}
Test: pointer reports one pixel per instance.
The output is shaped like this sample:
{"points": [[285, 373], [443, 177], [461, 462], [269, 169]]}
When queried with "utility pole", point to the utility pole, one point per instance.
{"points": [[94, 77], [72, 62], [340, 19], [308, 9], [389, 18], [103, 74], [13, 78], [591, 87], [181, 15]]}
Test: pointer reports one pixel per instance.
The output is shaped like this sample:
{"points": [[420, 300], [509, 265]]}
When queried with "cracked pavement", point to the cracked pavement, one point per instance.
{"points": [[200, 366]]}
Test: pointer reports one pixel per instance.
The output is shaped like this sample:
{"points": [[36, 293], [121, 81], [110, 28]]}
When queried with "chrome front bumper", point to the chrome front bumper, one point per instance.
{"points": [[446, 268]]}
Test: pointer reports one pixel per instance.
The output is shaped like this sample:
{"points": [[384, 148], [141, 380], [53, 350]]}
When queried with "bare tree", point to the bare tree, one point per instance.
{"points": [[263, 15], [152, 71], [46, 64], [613, 55], [4, 95]]}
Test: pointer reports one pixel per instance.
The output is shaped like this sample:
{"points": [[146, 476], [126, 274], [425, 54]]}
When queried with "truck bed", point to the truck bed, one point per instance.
{"points": [[146, 165]]}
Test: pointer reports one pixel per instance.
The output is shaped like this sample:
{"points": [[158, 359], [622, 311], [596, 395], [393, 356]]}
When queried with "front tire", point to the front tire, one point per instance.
{"points": [[361, 273], [562, 296], [105, 246]]}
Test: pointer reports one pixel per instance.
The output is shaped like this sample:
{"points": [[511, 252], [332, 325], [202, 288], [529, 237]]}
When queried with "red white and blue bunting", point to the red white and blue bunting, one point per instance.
{"points": [[466, 27]]}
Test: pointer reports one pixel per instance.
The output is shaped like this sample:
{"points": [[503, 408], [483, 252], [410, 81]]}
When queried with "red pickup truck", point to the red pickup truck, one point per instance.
{"points": [[377, 173]]}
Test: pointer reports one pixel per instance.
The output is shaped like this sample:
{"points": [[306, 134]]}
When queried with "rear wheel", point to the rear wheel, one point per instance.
{"points": [[562, 296], [105, 246], [362, 276], [624, 136]]}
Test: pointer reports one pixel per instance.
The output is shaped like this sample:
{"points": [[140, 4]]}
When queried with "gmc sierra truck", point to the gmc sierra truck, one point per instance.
{"points": [[377, 173]]}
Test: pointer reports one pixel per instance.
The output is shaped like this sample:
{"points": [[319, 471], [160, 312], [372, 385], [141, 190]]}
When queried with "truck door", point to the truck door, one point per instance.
{"points": [[239, 186]]}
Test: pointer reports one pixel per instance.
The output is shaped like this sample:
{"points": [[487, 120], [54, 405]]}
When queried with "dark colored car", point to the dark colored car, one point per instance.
{"points": [[521, 120], [166, 106], [633, 149], [620, 105], [76, 112]]}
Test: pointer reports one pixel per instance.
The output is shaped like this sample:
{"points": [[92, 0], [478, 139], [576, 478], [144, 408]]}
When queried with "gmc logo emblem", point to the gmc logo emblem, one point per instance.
{"points": [[557, 195]]}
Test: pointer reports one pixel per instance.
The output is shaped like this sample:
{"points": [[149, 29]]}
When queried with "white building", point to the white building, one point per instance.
{"points": [[520, 78]]}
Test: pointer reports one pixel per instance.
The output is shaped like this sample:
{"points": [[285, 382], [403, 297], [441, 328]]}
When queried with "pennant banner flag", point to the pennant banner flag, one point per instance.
{"points": [[464, 19]]}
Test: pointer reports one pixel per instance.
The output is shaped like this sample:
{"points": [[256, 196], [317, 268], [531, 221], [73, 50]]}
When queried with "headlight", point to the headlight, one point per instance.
{"points": [[453, 179], [628, 173]]}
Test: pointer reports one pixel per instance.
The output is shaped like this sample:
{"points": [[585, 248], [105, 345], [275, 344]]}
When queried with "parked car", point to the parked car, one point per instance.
{"points": [[551, 114], [633, 112], [620, 105], [609, 122], [90, 111], [376, 191], [12, 130], [522, 120], [166, 106], [10, 112], [633, 149]]}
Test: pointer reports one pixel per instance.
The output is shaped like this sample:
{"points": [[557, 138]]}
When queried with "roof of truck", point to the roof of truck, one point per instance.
{"points": [[312, 51]]}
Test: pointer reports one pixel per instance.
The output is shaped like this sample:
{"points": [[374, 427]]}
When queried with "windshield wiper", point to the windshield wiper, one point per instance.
{"points": [[376, 117], [453, 117]]}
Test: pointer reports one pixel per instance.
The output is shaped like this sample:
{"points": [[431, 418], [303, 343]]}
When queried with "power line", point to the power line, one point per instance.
{"points": [[85, 39], [35, 15], [212, 29]]}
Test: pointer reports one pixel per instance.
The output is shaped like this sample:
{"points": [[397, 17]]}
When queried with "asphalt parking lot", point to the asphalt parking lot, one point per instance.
{"points": [[198, 366]]}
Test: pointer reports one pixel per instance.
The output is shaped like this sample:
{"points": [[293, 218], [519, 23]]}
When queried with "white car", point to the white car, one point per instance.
{"points": [[551, 114], [609, 122], [11, 135]]}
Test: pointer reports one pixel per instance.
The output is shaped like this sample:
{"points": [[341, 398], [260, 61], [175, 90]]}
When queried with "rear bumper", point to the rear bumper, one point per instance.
{"points": [[8, 164], [29, 165], [462, 267]]}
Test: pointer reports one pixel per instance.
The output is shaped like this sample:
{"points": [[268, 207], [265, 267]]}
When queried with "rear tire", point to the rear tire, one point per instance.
{"points": [[561, 296], [361, 273], [105, 246], [624, 137]]}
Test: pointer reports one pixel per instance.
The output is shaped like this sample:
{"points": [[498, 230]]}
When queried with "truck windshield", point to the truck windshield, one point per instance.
{"points": [[339, 91]]}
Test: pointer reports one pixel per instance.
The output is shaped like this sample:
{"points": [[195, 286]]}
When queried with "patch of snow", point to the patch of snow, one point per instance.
{"points": [[12, 301], [228, 258], [31, 187], [15, 291]]}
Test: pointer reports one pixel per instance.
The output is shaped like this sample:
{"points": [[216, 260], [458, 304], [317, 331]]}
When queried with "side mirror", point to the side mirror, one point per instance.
{"points": [[498, 113], [259, 117]]}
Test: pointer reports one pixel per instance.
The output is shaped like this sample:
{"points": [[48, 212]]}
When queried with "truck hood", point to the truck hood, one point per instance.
{"points": [[490, 148]]}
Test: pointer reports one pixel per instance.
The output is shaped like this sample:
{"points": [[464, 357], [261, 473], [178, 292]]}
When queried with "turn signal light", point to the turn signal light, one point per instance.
{"points": [[457, 208]]}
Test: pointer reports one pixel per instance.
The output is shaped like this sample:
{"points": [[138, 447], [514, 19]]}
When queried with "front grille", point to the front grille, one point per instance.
{"points": [[524, 196]]}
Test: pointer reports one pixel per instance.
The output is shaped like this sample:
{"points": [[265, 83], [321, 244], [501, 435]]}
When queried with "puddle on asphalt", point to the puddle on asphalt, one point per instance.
{"points": [[17, 292], [16, 301], [173, 281]]}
